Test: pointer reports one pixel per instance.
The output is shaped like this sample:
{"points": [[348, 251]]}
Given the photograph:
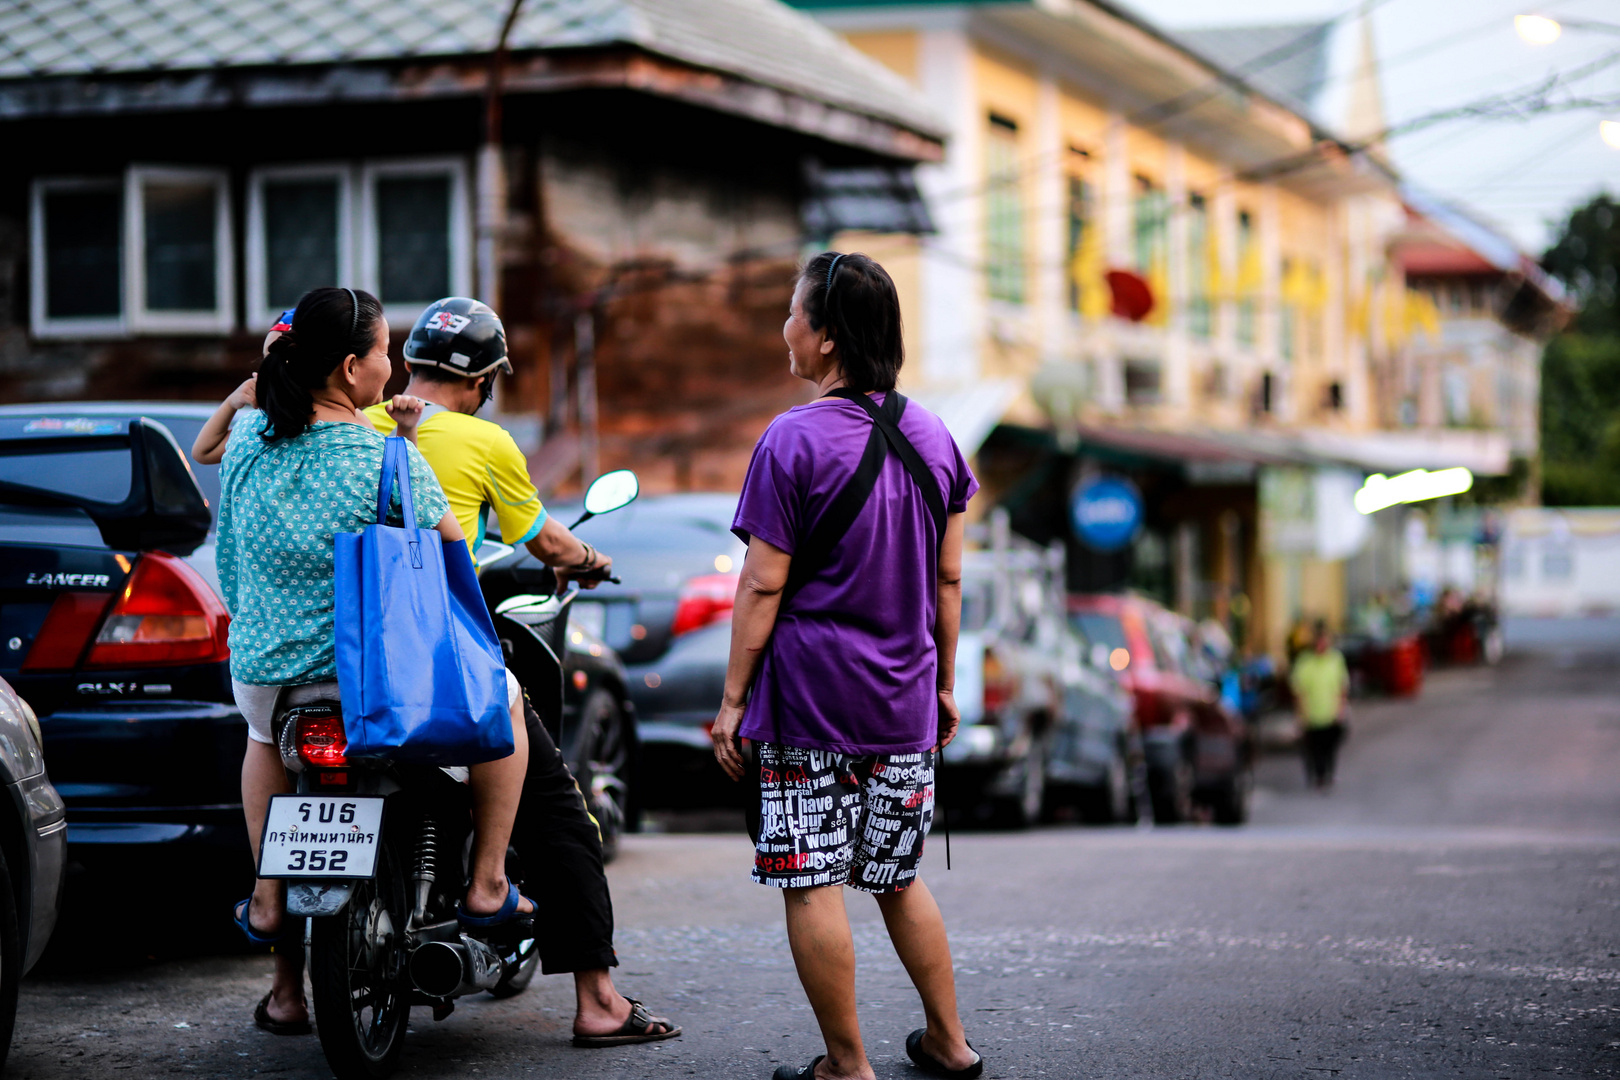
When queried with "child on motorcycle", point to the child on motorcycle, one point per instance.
{"points": [[305, 468]]}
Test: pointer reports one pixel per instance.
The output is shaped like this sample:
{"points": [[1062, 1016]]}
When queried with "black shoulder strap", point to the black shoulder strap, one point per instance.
{"points": [[835, 521], [810, 556], [887, 420]]}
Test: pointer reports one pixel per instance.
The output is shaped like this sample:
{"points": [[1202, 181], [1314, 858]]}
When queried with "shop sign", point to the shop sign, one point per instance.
{"points": [[1107, 513]]}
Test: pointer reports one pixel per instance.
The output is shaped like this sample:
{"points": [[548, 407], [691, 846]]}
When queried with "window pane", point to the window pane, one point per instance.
{"points": [[413, 239], [180, 232], [300, 238], [1004, 205], [82, 254]]}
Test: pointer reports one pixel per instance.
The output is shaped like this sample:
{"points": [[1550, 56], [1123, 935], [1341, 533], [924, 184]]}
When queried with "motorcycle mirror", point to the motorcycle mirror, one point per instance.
{"points": [[609, 492]]}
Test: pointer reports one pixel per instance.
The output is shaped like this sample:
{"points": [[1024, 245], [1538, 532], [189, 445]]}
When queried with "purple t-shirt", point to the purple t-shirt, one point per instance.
{"points": [[851, 663]]}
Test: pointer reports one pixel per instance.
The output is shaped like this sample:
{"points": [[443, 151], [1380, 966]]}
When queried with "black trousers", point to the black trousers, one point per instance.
{"points": [[562, 862], [1321, 749]]}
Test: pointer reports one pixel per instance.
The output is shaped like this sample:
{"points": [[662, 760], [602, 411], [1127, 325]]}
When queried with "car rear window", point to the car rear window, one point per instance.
{"points": [[1100, 629], [91, 468]]}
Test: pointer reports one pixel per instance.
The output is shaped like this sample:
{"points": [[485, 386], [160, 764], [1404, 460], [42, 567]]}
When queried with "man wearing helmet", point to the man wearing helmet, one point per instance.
{"points": [[454, 352]]}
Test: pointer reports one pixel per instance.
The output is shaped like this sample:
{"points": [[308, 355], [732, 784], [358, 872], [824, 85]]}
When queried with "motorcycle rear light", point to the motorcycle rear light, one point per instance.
{"points": [[322, 743], [333, 777], [166, 614], [704, 600], [67, 629]]}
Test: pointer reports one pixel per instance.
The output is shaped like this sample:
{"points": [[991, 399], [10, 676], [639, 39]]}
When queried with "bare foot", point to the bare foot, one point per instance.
{"points": [[595, 1017], [486, 898], [954, 1058], [287, 1005]]}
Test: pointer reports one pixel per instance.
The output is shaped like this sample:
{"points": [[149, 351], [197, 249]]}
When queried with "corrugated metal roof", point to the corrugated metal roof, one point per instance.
{"points": [[1296, 77], [759, 40]]}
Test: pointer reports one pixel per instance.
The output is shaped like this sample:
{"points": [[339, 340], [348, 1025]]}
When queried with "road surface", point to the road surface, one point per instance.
{"points": [[1451, 909]]}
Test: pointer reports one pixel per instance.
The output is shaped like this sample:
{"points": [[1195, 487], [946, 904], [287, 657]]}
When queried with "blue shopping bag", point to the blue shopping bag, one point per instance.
{"points": [[420, 671]]}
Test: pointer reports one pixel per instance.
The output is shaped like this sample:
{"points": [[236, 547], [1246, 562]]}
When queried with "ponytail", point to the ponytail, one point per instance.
{"points": [[328, 325]]}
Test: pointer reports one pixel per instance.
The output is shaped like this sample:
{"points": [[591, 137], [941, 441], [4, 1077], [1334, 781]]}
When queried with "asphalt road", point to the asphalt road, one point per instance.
{"points": [[1451, 909]]}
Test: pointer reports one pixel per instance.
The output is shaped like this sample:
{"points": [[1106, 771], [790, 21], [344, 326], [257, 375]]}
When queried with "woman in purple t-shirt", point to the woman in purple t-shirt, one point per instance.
{"points": [[842, 682]]}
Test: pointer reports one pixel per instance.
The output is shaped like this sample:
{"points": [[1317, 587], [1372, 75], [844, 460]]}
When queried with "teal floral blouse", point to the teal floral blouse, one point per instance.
{"points": [[281, 504]]}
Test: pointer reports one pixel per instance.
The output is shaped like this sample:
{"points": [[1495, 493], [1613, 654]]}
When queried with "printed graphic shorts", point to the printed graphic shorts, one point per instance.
{"points": [[838, 819]]}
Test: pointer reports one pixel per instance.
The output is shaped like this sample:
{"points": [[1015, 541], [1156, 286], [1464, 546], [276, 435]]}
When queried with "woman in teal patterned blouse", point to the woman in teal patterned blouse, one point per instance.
{"points": [[294, 475]]}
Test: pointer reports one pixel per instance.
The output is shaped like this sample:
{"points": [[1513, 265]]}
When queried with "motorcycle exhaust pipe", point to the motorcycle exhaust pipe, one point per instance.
{"points": [[450, 969]]}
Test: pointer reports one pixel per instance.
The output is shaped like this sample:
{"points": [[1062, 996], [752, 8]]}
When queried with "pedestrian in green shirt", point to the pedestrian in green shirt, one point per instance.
{"points": [[1321, 685]]}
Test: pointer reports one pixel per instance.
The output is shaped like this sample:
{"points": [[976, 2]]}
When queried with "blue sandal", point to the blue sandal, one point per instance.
{"points": [[241, 916], [508, 914]]}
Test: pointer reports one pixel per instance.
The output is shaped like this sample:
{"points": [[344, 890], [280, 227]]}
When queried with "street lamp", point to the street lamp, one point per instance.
{"points": [[1540, 30], [1537, 29], [1610, 130]]}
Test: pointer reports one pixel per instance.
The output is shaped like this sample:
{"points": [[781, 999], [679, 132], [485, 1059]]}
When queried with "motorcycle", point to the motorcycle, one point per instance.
{"points": [[379, 856]]}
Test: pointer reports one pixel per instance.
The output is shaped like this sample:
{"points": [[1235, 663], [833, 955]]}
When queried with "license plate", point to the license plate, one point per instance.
{"points": [[321, 836]]}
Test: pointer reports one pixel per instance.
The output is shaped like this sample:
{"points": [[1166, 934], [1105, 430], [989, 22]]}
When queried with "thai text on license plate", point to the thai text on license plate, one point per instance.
{"points": [[321, 836]]}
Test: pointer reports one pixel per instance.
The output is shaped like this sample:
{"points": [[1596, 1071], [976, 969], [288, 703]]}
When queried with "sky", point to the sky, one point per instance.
{"points": [[1523, 175]]}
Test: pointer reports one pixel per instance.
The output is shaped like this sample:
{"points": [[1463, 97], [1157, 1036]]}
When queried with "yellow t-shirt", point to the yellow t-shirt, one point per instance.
{"points": [[479, 467], [1319, 679]]}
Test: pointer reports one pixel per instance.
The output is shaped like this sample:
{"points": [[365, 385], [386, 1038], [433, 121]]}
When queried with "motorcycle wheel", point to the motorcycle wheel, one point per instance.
{"points": [[357, 976], [602, 751]]}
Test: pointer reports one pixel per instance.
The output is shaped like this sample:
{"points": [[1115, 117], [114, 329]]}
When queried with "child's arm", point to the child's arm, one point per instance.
{"points": [[406, 412], [209, 446]]}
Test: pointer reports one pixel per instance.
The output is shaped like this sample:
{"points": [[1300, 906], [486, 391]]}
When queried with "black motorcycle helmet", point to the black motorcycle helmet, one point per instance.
{"points": [[461, 336]]}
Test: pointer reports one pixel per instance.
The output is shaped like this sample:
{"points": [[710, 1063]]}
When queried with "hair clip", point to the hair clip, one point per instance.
{"points": [[283, 321]]}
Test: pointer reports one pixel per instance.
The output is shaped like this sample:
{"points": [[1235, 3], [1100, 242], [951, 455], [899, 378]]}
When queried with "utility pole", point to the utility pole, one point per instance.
{"points": [[492, 171]]}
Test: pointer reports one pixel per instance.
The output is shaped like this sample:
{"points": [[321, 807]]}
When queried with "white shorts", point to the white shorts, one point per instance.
{"points": [[257, 702]]}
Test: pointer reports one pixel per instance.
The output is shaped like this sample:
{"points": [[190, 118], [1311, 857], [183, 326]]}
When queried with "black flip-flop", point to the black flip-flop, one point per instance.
{"points": [[266, 1022], [805, 1072], [930, 1065], [635, 1029]]}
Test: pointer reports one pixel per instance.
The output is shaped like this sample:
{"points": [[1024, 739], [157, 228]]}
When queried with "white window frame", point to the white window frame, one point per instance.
{"points": [[222, 320], [460, 227], [259, 309], [40, 323]]}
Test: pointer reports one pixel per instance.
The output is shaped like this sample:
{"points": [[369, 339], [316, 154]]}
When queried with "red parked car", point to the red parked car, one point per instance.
{"points": [[1196, 751]]}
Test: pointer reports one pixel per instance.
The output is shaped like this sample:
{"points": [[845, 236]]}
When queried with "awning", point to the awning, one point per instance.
{"points": [[1216, 455], [970, 412]]}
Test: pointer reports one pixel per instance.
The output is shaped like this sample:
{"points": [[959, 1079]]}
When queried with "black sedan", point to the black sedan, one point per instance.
{"points": [[671, 623]]}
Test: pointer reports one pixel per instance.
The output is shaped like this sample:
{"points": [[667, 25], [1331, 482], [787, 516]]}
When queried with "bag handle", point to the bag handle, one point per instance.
{"points": [[396, 465]]}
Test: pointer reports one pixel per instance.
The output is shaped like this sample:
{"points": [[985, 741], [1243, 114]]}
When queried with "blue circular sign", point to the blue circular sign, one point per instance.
{"points": [[1107, 513]]}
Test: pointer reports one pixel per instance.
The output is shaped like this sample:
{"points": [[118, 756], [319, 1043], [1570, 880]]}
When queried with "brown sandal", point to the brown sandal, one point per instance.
{"points": [[637, 1028]]}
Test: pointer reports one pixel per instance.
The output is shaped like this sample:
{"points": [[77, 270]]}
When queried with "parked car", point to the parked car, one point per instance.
{"points": [[33, 852], [670, 622], [112, 626], [1041, 726], [1196, 750]]}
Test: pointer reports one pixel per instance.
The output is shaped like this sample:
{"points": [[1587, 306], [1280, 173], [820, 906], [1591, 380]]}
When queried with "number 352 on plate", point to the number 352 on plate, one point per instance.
{"points": [[321, 836]]}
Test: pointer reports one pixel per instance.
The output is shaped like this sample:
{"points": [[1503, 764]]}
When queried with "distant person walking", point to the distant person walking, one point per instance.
{"points": [[843, 646], [1321, 685]]}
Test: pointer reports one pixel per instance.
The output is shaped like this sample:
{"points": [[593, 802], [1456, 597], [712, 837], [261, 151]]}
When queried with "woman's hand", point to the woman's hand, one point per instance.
{"points": [[245, 396], [727, 751], [950, 718], [406, 412]]}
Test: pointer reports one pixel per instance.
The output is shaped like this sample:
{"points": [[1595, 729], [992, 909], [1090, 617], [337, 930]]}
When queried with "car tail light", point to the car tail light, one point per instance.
{"points": [[321, 741], [166, 614], [998, 683], [67, 629], [704, 600]]}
